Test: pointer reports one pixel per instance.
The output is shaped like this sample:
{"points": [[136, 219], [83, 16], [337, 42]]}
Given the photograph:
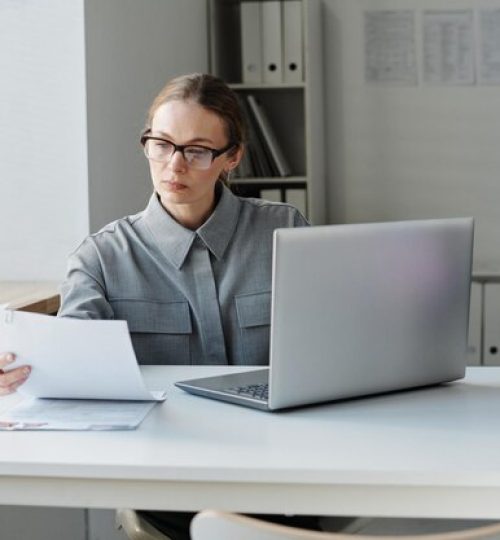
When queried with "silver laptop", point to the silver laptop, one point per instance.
{"points": [[357, 310]]}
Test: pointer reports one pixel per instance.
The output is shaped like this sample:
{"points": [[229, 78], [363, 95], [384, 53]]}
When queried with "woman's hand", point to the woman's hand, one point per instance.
{"points": [[11, 379]]}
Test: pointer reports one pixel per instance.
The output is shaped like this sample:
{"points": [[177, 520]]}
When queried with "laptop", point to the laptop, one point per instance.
{"points": [[357, 310]]}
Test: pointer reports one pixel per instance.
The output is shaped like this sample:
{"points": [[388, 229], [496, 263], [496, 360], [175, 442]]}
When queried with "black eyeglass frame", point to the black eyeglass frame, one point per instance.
{"points": [[181, 147]]}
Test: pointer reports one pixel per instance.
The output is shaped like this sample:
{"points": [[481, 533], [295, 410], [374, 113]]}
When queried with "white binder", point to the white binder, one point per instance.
{"points": [[251, 42], [273, 195], [475, 320], [272, 49], [491, 343], [293, 64]]}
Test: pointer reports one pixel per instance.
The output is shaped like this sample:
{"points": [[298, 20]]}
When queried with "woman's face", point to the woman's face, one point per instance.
{"points": [[184, 190]]}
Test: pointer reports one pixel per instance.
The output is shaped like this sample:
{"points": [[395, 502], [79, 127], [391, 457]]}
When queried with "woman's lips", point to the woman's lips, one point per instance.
{"points": [[172, 185]]}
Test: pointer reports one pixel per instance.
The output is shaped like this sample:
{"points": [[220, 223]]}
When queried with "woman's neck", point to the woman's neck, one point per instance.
{"points": [[191, 215]]}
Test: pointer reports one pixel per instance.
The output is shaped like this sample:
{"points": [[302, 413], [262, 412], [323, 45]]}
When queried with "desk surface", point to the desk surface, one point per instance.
{"points": [[35, 296], [433, 452]]}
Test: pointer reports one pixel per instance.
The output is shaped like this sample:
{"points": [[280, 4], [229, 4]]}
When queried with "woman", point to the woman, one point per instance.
{"points": [[191, 274]]}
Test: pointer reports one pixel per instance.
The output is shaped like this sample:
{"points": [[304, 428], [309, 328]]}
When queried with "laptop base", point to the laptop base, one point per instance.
{"points": [[222, 387]]}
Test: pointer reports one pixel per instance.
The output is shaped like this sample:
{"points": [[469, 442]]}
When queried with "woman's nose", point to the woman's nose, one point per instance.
{"points": [[177, 162]]}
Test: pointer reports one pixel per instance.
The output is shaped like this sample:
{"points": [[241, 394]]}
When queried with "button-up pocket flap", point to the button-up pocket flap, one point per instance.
{"points": [[154, 317], [254, 309]]}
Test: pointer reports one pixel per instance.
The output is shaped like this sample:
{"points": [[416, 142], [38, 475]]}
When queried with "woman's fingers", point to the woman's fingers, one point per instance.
{"points": [[11, 379], [6, 359]]}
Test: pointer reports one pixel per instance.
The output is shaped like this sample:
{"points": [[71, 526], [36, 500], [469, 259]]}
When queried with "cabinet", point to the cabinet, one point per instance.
{"points": [[294, 110], [484, 321]]}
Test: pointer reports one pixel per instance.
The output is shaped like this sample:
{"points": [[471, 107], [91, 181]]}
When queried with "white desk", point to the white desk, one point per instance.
{"points": [[433, 452]]}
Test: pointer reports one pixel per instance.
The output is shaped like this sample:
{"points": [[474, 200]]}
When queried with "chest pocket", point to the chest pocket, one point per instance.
{"points": [[254, 319], [160, 331]]}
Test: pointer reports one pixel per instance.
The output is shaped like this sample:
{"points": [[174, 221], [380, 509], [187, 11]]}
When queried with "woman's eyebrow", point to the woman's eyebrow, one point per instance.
{"points": [[195, 140]]}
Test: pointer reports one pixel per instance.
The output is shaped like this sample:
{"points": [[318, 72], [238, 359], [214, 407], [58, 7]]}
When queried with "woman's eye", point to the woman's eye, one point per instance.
{"points": [[196, 152]]}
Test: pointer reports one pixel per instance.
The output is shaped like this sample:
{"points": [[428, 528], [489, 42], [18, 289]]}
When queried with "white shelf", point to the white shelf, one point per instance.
{"points": [[278, 180], [263, 86], [295, 110]]}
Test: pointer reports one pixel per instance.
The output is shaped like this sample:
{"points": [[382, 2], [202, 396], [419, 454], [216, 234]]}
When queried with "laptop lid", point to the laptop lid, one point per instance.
{"points": [[367, 308]]}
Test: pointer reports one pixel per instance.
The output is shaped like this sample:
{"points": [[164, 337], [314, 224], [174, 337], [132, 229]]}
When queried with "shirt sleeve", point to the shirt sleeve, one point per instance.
{"points": [[299, 220], [83, 292]]}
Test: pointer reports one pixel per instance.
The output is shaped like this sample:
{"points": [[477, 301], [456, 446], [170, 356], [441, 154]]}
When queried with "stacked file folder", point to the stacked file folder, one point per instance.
{"points": [[271, 41]]}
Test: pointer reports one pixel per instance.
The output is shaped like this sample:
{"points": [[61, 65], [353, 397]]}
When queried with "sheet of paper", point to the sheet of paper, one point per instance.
{"points": [[490, 46], [73, 414], [448, 47], [390, 47], [74, 359]]}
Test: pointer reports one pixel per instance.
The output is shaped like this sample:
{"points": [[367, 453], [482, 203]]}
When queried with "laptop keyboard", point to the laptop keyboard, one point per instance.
{"points": [[255, 391]]}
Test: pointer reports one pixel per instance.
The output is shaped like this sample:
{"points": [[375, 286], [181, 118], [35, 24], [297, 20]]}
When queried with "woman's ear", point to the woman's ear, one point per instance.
{"points": [[234, 159]]}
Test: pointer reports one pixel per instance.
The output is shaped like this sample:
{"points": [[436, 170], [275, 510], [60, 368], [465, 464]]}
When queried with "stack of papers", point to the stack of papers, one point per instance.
{"points": [[74, 361], [75, 414]]}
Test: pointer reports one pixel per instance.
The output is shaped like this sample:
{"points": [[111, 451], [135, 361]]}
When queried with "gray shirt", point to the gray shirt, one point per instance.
{"points": [[189, 297]]}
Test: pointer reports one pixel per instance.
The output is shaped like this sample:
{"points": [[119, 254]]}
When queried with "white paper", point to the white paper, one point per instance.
{"points": [[490, 46], [448, 47], [390, 47], [74, 359], [64, 414]]}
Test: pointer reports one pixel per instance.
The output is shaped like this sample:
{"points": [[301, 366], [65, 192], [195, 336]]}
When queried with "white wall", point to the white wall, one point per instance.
{"points": [[43, 151], [77, 79], [408, 152]]}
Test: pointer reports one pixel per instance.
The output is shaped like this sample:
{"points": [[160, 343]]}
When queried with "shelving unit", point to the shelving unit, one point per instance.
{"points": [[295, 111]]}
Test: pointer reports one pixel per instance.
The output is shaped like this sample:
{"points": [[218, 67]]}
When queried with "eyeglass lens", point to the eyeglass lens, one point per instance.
{"points": [[195, 156]]}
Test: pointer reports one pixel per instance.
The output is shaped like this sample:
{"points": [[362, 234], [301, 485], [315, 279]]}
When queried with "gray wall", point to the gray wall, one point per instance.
{"points": [[409, 152], [132, 48]]}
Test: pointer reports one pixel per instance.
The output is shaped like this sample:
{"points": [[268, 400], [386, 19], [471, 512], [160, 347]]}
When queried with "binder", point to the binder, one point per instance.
{"points": [[475, 319], [297, 197], [293, 64], [251, 42], [259, 160], [269, 137], [272, 50], [273, 195], [491, 342]]}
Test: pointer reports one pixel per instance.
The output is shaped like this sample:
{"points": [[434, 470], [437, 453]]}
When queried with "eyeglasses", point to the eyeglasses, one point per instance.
{"points": [[197, 157]]}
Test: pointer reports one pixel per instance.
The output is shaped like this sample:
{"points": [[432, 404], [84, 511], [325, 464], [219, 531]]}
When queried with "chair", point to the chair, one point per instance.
{"points": [[215, 525], [136, 527]]}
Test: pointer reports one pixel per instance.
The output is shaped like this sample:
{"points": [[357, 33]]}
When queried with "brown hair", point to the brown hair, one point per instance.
{"points": [[209, 92]]}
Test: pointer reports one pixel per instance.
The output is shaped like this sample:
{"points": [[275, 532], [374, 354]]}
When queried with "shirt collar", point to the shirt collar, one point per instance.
{"points": [[175, 241]]}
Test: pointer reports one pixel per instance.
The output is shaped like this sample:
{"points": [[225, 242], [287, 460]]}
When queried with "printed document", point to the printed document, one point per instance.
{"points": [[73, 414], [72, 360], [490, 46], [449, 56], [390, 56]]}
